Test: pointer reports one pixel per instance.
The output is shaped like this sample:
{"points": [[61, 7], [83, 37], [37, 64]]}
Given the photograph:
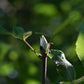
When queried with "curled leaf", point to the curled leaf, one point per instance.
{"points": [[66, 67], [27, 34], [43, 42], [44, 45]]}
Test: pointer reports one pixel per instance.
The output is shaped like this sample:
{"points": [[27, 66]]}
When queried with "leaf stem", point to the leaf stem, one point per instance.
{"points": [[79, 80], [31, 47]]}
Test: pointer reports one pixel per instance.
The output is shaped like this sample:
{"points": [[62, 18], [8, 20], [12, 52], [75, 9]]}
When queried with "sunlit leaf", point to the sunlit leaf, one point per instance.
{"points": [[45, 9], [80, 44], [32, 81], [67, 69]]}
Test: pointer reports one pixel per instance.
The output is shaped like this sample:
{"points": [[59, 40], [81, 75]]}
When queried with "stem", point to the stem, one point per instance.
{"points": [[44, 60], [79, 80], [31, 47]]}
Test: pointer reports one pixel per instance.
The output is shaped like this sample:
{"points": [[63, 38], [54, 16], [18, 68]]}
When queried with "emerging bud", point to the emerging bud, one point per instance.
{"points": [[44, 45]]}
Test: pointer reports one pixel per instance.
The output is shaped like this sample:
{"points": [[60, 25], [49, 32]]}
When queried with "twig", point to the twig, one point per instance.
{"points": [[79, 80], [44, 61], [31, 48]]}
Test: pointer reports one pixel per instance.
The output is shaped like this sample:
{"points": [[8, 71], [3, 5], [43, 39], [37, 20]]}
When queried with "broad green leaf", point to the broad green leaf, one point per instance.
{"points": [[77, 81], [80, 44], [65, 67]]}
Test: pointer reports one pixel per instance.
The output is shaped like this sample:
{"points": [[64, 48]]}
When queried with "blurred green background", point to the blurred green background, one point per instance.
{"points": [[58, 20]]}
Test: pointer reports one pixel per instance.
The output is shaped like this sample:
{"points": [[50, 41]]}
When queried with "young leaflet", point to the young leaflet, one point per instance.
{"points": [[44, 45]]}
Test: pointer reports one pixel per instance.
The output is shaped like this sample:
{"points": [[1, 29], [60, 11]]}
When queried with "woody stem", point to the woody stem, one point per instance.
{"points": [[44, 68]]}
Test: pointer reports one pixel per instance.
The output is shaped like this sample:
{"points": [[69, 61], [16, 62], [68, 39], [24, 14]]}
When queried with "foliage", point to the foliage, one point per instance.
{"points": [[79, 44], [59, 21], [66, 67]]}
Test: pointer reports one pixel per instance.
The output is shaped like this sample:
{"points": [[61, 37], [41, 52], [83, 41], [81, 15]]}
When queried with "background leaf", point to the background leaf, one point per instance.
{"points": [[4, 48], [6, 69], [66, 68], [3, 31], [77, 81], [80, 44], [18, 32]]}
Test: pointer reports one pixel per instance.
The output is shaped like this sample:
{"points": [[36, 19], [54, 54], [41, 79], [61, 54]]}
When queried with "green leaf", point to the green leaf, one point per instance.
{"points": [[80, 44], [43, 42], [18, 32], [45, 9], [65, 67]]}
